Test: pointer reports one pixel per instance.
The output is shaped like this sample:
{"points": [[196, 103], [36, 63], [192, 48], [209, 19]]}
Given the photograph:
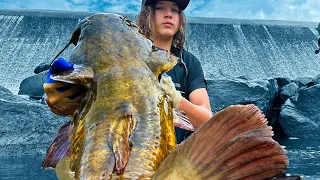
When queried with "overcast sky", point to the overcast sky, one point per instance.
{"points": [[292, 10]]}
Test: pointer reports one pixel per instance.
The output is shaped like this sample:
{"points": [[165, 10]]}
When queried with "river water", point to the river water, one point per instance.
{"points": [[304, 156]]}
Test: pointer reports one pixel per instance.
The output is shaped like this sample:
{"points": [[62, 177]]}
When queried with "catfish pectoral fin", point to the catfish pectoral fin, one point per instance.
{"points": [[60, 146], [120, 139], [181, 120], [234, 144], [122, 154]]}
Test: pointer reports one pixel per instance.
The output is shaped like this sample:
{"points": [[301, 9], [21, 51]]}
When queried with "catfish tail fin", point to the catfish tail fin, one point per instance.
{"points": [[234, 144]]}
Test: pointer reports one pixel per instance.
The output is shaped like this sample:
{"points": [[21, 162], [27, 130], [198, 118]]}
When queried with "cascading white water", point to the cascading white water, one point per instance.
{"points": [[27, 40], [255, 49], [226, 47]]}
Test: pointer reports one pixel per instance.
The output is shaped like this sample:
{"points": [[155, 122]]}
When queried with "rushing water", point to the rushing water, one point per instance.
{"points": [[304, 158], [24, 168]]}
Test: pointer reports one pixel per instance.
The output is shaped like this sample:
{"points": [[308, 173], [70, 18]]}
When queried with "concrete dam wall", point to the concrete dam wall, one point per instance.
{"points": [[255, 49]]}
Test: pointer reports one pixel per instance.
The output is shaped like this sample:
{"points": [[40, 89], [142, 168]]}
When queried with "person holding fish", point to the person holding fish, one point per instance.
{"points": [[122, 125], [164, 23]]}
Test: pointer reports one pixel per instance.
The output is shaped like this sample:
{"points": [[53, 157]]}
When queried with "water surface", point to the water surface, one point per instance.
{"points": [[24, 168], [304, 156]]}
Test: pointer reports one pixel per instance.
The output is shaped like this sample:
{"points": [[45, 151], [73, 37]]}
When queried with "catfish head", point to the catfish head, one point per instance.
{"points": [[104, 41]]}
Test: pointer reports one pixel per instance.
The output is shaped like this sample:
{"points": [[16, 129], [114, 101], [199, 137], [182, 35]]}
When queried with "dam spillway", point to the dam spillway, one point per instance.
{"points": [[256, 49]]}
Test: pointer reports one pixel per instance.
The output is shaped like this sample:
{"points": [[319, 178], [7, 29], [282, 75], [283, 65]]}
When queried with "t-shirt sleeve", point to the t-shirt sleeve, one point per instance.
{"points": [[195, 75]]}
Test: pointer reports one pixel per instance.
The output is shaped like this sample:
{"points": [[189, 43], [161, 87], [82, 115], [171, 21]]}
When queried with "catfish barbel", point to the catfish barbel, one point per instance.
{"points": [[124, 126]]}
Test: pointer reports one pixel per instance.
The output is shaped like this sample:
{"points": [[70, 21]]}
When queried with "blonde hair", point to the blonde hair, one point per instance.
{"points": [[145, 21]]}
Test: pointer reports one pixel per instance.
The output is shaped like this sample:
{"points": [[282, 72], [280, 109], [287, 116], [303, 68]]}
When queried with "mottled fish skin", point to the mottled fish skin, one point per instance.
{"points": [[124, 128]]}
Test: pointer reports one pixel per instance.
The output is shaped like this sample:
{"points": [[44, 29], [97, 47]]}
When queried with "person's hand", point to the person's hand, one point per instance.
{"points": [[168, 86], [62, 98]]}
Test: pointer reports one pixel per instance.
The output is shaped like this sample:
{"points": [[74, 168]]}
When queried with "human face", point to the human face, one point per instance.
{"points": [[166, 19]]}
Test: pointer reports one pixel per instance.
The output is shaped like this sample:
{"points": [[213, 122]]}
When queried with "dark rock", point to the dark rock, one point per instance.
{"points": [[283, 81], [304, 81], [288, 91], [226, 92], [263, 93], [41, 67], [26, 127], [33, 86], [300, 117]]}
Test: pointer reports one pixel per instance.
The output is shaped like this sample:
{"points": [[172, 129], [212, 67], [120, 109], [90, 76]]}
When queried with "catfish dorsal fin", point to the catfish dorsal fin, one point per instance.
{"points": [[181, 120], [161, 61], [234, 144]]}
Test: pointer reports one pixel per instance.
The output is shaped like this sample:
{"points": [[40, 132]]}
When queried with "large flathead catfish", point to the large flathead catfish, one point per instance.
{"points": [[124, 126]]}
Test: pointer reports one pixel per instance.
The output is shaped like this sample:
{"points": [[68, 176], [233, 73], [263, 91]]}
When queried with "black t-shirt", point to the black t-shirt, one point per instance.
{"points": [[187, 77]]}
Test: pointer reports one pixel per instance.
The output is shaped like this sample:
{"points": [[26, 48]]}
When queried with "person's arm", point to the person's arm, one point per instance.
{"points": [[198, 109], [197, 106]]}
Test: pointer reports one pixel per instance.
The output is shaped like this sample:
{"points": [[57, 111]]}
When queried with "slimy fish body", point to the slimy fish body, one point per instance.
{"points": [[124, 127]]}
